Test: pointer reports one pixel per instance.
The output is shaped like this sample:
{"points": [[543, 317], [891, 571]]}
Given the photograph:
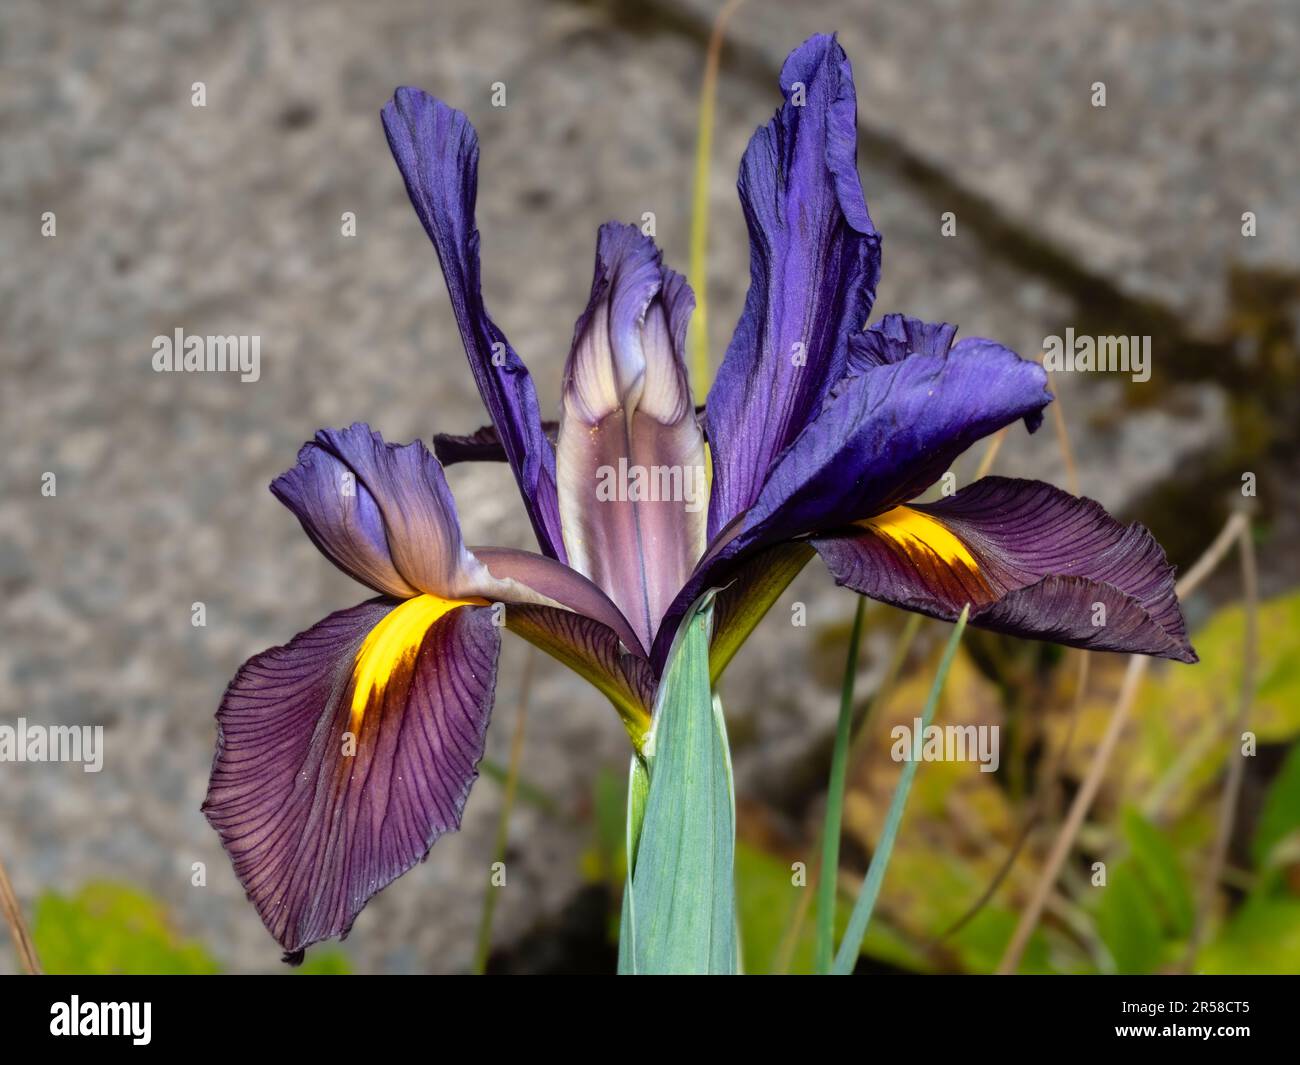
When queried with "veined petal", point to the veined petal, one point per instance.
{"points": [[883, 436], [890, 432], [814, 264], [747, 582], [344, 755], [436, 150], [342, 519], [383, 514], [630, 454], [593, 651], [548, 583], [1030, 559]]}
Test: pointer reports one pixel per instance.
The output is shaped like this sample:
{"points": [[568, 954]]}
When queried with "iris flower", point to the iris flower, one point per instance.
{"points": [[343, 755]]}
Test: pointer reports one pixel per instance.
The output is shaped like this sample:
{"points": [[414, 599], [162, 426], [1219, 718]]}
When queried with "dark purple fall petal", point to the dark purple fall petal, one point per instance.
{"points": [[889, 433], [814, 264], [314, 832], [630, 455], [391, 524], [436, 150], [1032, 560]]}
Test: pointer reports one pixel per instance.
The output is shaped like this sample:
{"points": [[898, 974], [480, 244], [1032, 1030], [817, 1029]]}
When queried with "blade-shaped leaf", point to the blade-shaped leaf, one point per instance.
{"points": [[681, 916], [638, 789], [861, 916]]}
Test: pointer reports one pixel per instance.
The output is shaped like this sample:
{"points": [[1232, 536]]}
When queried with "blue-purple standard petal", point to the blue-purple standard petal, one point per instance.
{"points": [[436, 150], [814, 264], [319, 810], [889, 433], [1031, 560], [882, 438], [894, 338]]}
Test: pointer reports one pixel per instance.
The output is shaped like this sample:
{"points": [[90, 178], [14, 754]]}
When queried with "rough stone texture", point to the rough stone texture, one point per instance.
{"points": [[1147, 191], [226, 219]]}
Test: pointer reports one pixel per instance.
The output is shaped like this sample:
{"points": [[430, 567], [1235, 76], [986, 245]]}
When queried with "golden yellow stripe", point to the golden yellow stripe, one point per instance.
{"points": [[913, 530], [394, 642]]}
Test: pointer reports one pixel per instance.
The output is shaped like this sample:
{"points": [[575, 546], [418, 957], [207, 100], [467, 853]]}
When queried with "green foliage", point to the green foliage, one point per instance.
{"points": [[605, 860], [768, 904], [1159, 871], [1262, 937], [1129, 921], [324, 961], [682, 907], [109, 928], [1153, 822], [847, 954], [1280, 818]]}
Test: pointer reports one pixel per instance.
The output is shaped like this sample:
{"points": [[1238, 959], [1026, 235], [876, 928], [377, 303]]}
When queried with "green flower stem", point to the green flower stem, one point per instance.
{"points": [[861, 916], [835, 800]]}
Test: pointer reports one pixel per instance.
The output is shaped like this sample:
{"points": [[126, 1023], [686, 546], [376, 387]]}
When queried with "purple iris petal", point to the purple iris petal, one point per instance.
{"points": [[556, 582], [894, 338], [342, 519], [595, 651], [630, 454], [884, 436], [316, 824], [1032, 560], [814, 264], [436, 150], [392, 523], [897, 337], [889, 433]]}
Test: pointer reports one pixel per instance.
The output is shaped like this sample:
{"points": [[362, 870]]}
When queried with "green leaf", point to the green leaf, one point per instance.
{"points": [[638, 790], [847, 955], [681, 915], [324, 961], [1158, 866], [1280, 816], [826, 888], [1129, 921], [109, 928], [1262, 937]]}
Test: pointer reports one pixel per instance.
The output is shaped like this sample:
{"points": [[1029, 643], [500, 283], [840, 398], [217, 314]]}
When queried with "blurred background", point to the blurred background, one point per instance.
{"points": [[1125, 219]]}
